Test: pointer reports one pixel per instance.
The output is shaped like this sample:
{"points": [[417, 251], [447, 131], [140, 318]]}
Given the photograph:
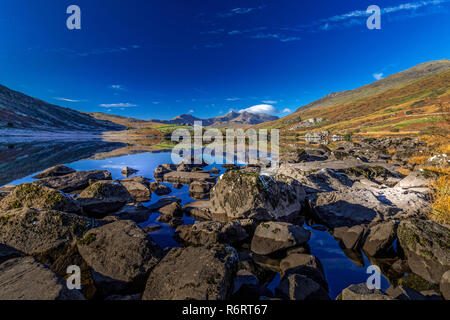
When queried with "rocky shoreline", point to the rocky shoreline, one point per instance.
{"points": [[250, 227]]}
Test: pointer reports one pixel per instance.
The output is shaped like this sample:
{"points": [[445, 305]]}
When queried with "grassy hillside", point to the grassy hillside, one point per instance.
{"points": [[411, 107]]}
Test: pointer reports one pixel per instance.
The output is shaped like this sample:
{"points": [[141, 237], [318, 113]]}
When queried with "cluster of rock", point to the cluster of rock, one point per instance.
{"points": [[251, 227], [308, 123]]}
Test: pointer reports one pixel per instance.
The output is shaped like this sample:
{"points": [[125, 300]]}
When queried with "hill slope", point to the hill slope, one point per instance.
{"points": [[410, 101], [24, 112], [420, 71]]}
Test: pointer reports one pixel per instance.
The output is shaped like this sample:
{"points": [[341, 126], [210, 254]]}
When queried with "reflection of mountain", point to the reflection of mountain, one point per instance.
{"points": [[21, 159]]}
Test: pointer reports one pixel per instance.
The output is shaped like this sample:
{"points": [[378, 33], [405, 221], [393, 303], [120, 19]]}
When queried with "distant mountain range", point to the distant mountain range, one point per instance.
{"points": [[229, 119], [20, 111]]}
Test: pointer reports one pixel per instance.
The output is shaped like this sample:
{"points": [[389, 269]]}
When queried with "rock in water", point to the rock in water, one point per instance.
{"points": [[351, 237], [427, 247], [121, 256], [138, 187], [32, 195], [362, 292], [193, 273], [299, 287], [271, 237], [55, 171], [160, 189], [127, 171], [241, 196], [46, 235], [161, 170], [104, 197], [304, 264], [212, 232], [24, 278], [199, 190], [137, 213], [75, 181], [380, 238]]}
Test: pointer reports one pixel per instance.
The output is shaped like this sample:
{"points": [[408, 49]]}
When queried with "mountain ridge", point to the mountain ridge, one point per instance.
{"points": [[232, 117], [20, 111]]}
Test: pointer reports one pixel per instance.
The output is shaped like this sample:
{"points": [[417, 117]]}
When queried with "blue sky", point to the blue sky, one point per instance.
{"points": [[158, 59]]}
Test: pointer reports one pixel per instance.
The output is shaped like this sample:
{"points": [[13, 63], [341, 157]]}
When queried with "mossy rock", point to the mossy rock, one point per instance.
{"points": [[31, 195]]}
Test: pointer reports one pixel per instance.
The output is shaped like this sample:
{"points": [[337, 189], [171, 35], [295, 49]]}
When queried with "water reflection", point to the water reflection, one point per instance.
{"points": [[20, 161]]}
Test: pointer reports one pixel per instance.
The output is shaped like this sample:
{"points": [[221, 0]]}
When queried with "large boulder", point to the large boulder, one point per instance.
{"points": [[171, 211], [121, 256], [138, 188], [211, 232], [417, 179], [356, 206], [304, 264], [56, 171], [427, 247], [299, 287], [193, 273], [24, 278], [31, 195], [104, 197], [44, 234], [75, 181], [380, 238], [271, 237], [241, 195], [362, 292]]}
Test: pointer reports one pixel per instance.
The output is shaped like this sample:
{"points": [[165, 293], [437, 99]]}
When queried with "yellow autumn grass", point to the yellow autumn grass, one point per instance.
{"points": [[418, 159], [441, 200]]}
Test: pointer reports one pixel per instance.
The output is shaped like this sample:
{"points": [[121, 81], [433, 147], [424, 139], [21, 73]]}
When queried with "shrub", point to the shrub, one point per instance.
{"points": [[348, 136]]}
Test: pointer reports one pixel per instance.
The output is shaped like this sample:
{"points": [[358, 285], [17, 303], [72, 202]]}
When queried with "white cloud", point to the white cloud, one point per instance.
{"points": [[66, 99], [191, 111], [117, 87], [233, 99], [261, 108], [270, 102], [239, 11], [118, 105], [357, 17], [289, 39], [287, 110], [378, 76]]}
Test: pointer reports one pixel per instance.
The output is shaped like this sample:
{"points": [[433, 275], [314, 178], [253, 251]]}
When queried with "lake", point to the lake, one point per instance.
{"points": [[20, 160]]}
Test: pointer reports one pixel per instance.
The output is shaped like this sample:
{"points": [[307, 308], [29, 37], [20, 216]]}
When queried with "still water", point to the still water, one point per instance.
{"points": [[19, 161]]}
